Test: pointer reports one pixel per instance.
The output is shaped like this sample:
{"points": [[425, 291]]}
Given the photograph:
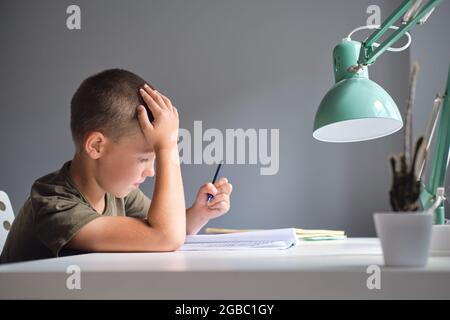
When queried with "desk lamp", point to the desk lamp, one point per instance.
{"points": [[358, 109]]}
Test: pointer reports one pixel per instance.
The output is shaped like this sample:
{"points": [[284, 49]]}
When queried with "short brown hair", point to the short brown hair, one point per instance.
{"points": [[106, 102]]}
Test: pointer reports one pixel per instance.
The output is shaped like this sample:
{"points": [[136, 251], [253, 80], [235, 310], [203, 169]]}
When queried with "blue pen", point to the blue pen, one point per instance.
{"points": [[210, 196]]}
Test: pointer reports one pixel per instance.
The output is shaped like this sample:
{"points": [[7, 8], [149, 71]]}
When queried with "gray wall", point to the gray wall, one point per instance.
{"points": [[232, 64]]}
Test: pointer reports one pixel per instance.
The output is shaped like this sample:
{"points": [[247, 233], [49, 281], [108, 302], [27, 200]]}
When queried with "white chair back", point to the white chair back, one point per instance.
{"points": [[6, 218]]}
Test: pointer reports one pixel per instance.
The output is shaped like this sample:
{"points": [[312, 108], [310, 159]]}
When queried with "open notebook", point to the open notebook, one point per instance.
{"points": [[264, 239], [303, 234]]}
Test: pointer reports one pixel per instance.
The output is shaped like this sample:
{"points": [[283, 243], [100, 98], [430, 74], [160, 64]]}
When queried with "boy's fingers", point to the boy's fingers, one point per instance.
{"points": [[208, 188], [167, 102], [226, 187], [144, 121], [151, 103], [222, 206], [221, 181], [160, 100], [218, 198]]}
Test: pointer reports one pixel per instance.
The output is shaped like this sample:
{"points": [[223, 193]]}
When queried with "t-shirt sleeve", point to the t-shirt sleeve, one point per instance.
{"points": [[137, 204], [57, 219]]}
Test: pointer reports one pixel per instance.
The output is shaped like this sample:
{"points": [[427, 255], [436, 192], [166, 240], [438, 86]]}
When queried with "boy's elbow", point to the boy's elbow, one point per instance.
{"points": [[171, 247], [172, 243], [177, 242]]}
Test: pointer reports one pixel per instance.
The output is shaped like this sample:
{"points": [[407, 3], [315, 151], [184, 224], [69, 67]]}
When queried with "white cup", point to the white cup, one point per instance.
{"points": [[405, 237]]}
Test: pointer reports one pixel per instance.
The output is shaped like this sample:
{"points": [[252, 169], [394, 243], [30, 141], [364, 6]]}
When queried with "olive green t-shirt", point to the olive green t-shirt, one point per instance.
{"points": [[55, 211]]}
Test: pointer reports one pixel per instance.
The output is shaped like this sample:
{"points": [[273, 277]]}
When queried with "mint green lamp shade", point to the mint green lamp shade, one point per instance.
{"points": [[355, 108]]}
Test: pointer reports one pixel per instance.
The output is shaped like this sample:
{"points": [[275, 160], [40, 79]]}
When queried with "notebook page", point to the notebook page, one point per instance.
{"points": [[265, 239]]}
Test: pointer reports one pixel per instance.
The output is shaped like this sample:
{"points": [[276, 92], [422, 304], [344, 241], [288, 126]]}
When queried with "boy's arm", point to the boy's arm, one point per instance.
{"points": [[167, 209], [165, 227], [120, 234]]}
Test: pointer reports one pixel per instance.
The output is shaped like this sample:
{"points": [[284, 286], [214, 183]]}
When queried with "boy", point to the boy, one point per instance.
{"points": [[93, 203]]}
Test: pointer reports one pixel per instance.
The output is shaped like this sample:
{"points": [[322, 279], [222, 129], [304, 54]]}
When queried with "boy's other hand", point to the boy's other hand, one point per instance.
{"points": [[162, 133], [218, 205]]}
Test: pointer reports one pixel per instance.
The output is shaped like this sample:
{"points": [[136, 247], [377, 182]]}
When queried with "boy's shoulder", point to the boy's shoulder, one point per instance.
{"points": [[56, 185]]}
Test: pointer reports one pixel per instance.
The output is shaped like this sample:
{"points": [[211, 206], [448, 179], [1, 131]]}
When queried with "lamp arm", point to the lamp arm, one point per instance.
{"points": [[428, 137], [368, 56], [429, 194], [400, 11], [440, 198]]}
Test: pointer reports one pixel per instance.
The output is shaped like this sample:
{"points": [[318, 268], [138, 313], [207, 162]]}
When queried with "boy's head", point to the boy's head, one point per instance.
{"points": [[106, 102], [105, 128]]}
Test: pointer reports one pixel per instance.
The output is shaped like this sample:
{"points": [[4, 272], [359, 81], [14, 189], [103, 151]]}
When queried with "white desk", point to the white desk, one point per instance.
{"points": [[312, 270]]}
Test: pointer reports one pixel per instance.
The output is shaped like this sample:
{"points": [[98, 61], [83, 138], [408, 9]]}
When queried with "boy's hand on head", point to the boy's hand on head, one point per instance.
{"points": [[162, 133], [218, 205]]}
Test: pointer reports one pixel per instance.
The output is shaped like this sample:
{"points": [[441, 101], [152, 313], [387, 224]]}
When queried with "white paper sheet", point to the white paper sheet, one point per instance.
{"points": [[264, 239]]}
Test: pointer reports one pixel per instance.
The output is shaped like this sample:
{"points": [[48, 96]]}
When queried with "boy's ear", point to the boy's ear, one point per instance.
{"points": [[94, 144]]}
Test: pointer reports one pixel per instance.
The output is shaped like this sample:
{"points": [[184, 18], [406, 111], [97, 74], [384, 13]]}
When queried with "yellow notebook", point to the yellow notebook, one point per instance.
{"points": [[305, 234]]}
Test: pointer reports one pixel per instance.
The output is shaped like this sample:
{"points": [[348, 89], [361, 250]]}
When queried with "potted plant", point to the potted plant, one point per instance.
{"points": [[405, 233]]}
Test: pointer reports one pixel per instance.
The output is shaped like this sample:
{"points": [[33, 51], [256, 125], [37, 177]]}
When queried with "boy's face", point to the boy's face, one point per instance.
{"points": [[125, 164]]}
